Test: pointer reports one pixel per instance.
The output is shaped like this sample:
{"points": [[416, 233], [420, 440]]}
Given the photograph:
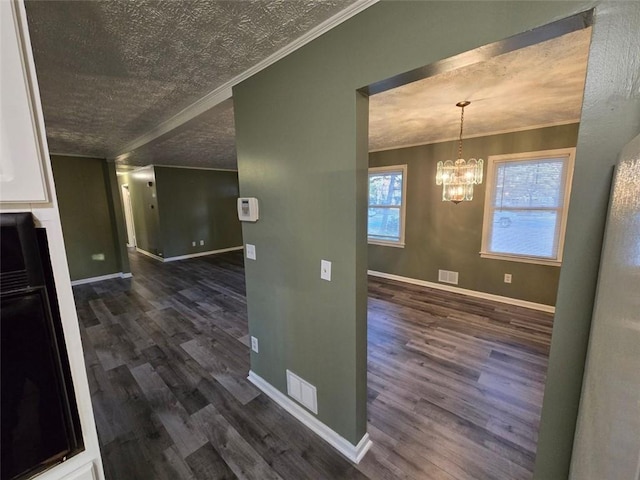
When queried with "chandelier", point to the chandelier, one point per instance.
{"points": [[458, 178]]}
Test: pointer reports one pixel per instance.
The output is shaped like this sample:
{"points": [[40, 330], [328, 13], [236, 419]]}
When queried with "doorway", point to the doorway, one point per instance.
{"points": [[128, 216], [458, 351]]}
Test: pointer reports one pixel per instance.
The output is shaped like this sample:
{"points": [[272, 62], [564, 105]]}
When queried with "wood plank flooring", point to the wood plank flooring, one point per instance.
{"points": [[455, 384]]}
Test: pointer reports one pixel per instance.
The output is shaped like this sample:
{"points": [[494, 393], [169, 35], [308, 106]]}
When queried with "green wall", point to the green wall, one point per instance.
{"points": [[301, 152], [194, 205], [610, 119], [299, 133], [181, 206], [441, 235], [84, 188]]}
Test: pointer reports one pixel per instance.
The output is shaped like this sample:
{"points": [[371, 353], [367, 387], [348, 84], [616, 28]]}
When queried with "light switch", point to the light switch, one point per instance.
{"points": [[325, 270], [251, 251]]}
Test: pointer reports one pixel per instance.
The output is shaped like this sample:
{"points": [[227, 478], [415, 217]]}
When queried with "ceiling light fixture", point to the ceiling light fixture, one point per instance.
{"points": [[458, 178]]}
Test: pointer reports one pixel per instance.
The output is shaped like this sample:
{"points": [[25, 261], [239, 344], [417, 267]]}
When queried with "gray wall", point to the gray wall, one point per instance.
{"points": [[85, 188], [197, 205], [441, 235], [302, 152]]}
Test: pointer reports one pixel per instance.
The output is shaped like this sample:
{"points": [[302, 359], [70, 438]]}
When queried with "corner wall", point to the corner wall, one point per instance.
{"points": [[195, 205], [610, 119], [441, 235], [89, 224], [299, 132], [174, 207]]}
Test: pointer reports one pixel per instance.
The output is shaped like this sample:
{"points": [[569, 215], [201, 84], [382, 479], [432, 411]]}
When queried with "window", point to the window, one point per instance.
{"points": [[387, 191], [525, 206]]}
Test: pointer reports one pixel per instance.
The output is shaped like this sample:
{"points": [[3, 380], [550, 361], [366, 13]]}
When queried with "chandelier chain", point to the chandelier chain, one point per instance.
{"points": [[461, 124]]}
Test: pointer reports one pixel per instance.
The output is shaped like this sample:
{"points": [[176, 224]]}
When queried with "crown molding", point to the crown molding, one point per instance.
{"points": [[224, 92]]}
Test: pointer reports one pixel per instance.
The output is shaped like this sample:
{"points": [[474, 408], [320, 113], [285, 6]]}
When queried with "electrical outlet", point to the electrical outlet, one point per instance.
{"points": [[507, 278], [201, 242], [254, 344], [193, 244], [251, 251], [325, 270]]}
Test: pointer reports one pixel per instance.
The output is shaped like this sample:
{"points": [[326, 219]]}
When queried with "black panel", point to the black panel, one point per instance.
{"points": [[20, 263], [40, 422]]}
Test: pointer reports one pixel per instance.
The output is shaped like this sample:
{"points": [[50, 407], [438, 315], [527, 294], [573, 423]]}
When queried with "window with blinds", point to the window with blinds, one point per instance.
{"points": [[526, 204]]}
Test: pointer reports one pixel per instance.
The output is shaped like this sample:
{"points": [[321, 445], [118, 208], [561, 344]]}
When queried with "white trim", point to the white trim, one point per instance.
{"points": [[189, 255], [110, 276], [202, 254], [224, 92], [153, 165], [522, 259], [149, 254], [385, 244], [463, 291], [136, 169], [86, 472], [354, 453], [195, 168]]}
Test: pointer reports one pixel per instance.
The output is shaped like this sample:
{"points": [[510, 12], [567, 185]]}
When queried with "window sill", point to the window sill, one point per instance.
{"points": [[386, 244], [516, 258]]}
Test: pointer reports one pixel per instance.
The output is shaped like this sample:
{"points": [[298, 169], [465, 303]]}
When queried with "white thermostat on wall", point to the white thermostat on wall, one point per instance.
{"points": [[248, 209]]}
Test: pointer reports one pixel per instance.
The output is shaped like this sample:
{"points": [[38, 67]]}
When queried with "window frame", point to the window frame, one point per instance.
{"points": [[487, 221], [403, 205]]}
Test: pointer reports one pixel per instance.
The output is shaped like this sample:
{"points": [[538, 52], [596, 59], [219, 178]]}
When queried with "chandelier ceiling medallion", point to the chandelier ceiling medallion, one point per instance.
{"points": [[458, 178]]}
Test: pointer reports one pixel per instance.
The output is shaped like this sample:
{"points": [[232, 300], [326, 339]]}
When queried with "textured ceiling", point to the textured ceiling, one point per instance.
{"points": [[536, 86], [206, 141], [110, 71]]}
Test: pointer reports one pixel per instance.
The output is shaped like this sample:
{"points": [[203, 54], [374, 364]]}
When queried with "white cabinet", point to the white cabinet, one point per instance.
{"points": [[22, 141]]}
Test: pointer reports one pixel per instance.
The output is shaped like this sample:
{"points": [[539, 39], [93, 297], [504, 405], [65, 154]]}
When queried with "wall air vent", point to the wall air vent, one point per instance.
{"points": [[446, 276], [302, 391]]}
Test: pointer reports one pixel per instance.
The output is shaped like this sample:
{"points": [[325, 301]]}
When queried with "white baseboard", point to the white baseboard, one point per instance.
{"points": [[149, 254], [463, 291], [202, 254], [355, 453], [100, 278], [190, 255]]}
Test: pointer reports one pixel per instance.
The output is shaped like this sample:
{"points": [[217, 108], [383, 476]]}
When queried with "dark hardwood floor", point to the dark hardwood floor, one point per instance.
{"points": [[455, 384]]}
